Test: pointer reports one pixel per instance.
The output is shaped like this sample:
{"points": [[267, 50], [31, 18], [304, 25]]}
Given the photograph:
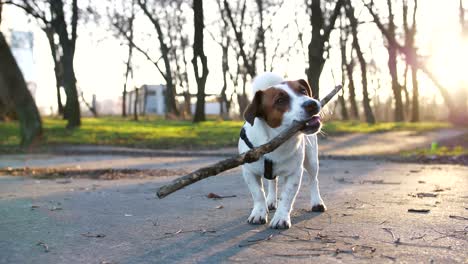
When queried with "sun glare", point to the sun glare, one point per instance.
{"points": [[450, 64]]}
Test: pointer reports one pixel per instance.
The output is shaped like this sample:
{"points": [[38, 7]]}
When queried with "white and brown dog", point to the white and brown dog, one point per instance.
{"points": [[276, 104]]}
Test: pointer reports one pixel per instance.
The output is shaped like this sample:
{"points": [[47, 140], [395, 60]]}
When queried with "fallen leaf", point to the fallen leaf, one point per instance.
{"points": [[213, 196]]}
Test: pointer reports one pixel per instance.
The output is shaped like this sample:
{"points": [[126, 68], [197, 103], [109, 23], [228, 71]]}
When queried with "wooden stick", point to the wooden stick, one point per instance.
{"points": [[247, 157]]}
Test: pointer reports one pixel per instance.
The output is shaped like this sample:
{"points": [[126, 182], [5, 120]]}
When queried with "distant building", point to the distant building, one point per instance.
{"points": [[150, 101]]}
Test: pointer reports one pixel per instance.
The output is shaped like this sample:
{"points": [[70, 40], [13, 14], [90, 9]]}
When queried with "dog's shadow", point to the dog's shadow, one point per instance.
{"points": [[230, 238]]}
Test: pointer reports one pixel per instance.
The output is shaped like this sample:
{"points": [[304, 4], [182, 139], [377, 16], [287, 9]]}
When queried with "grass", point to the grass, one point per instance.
{"points": [[337, 127], [453, 147], [164, 134]]}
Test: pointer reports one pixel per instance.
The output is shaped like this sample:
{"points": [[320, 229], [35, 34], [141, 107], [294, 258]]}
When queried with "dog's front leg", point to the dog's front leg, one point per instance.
{"points": [[271, 197], [282, 218], [259, 213]]}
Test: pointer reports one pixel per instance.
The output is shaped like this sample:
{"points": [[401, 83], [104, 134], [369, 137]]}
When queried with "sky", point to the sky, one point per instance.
{"points": [[100, 57]]}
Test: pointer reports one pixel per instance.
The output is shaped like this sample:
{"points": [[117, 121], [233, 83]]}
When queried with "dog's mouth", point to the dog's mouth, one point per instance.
{"points": [[312, 126]]}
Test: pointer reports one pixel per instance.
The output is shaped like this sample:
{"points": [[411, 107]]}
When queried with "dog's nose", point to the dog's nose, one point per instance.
{"points": [[312, 107]]}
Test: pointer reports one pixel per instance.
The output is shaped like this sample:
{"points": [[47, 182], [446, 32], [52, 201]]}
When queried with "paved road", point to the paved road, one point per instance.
{"points": [[120, 221]]}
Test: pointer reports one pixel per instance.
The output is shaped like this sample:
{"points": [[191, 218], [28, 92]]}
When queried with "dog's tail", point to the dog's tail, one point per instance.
{"points": [[265, 80]]}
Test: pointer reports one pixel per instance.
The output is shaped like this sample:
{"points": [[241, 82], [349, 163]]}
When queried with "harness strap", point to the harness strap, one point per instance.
{"points": [[267, 164]]}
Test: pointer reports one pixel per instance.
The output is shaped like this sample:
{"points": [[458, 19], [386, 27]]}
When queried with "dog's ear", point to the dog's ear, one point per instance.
{"points": [[254, 109], [306, 85]]}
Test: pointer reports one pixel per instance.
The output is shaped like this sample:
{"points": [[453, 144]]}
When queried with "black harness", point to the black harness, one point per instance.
{"points": [[267, 165]]}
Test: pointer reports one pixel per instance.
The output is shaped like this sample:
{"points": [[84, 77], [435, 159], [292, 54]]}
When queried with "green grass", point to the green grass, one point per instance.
{"points": [[164, 134], [452, 147], [337, 127]]}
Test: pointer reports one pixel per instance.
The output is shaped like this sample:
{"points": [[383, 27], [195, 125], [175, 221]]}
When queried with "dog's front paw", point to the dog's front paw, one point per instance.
{"points": [[258, 217], [319, 207], [271, 204], [280, 221]]}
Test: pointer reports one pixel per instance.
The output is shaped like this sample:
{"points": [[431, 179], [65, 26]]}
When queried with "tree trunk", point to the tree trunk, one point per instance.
{"points": [[58, 68], [225, 103], [415, 101], [171, 105], [396, 88], [315, 48], [362, 62], [320, 36], [341, 99], [72, 106], [199, 54], [352, 90], [13, 89], [135, 105]]}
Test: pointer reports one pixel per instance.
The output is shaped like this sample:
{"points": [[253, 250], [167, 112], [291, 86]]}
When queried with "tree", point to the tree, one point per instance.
{"points": [[249, 59], [128, 63], [348, 69], [341, 100], [321, 30], [14, 92], [410, 33], [167, 74], [362, 62], [199, 54], [392, 49], [50, 15], [416, 61]]}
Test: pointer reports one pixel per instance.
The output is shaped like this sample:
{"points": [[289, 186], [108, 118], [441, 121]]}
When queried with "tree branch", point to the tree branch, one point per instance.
{"points": [[247, 157]]}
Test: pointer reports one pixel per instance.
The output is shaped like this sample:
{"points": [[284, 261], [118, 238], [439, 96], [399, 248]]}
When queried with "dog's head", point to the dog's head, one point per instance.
{"points": [[285, 102]]}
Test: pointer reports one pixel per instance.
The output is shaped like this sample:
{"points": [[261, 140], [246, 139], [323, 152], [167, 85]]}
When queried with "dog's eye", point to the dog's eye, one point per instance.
{"points": [[303, 91], [281, 100]]}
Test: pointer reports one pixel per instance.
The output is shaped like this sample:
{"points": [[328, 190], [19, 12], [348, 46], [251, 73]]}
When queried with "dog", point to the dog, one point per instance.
{"points": [[274, 107]]}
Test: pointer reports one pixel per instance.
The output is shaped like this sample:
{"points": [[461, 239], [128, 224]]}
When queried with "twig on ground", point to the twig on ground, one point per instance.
{"points": [[88, 234], [297, 255], [180, 231], [396, 240], [247, 157], [420, 211], [216, 196], [423, 194], [389, 257], [458, 217], [343, 180], [256, 241], [44, 245], [379, 182]]}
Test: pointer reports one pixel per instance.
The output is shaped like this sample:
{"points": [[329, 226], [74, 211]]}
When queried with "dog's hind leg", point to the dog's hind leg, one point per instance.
{"points": [[312, 166], [272, 191], [259, 213]]}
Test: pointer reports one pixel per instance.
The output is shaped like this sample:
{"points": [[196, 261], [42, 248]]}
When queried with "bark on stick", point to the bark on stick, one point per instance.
{"points": [[247, 157]]}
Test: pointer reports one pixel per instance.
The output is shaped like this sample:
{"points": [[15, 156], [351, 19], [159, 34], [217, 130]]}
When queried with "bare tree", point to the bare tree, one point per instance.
{"points": [[410, 33], [322, 27], [415, 60], [128, 63], [362, 62], [50, 14], [348, 69], [392, 49], [14, 92], [149, 11], [199, 57]]}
